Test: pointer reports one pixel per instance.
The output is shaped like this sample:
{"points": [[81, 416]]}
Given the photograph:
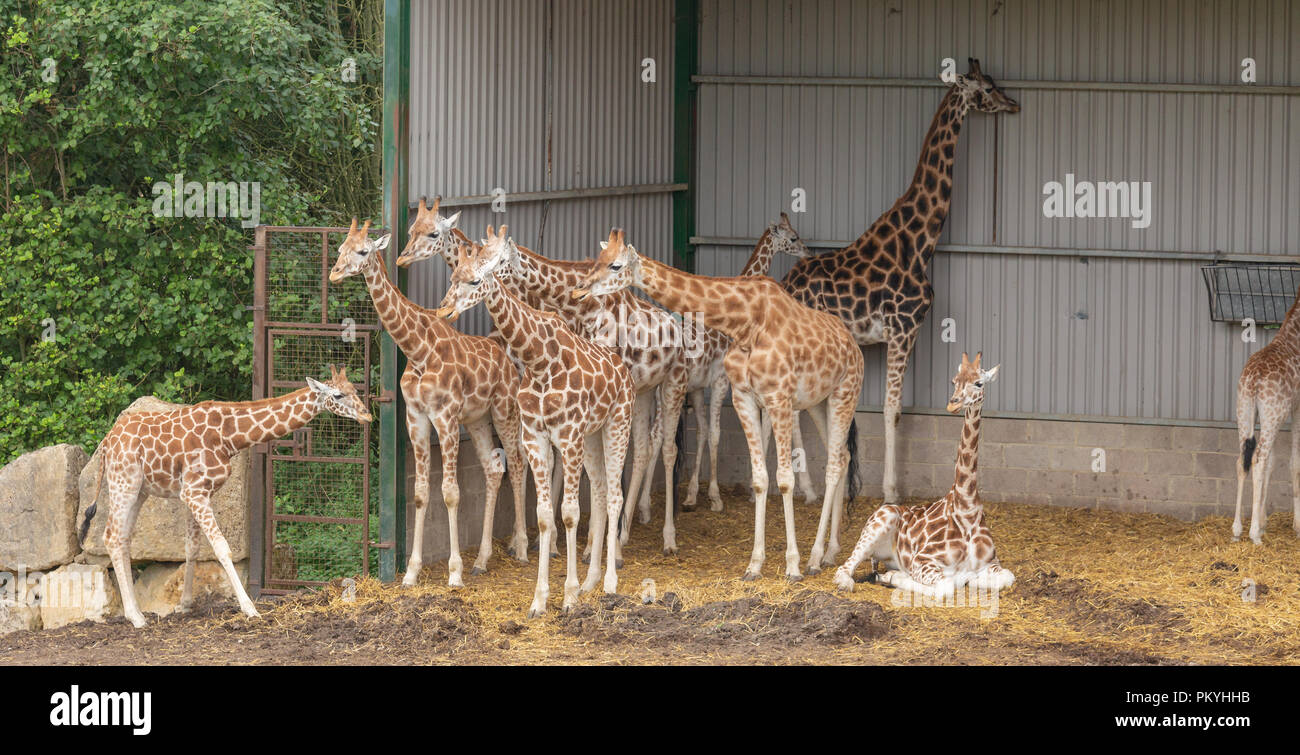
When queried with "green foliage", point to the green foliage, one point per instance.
{"points": [[100, 99]]}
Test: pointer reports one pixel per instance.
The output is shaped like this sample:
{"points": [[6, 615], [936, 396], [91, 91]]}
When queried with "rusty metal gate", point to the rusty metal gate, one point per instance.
{"points": [[312, 503]]}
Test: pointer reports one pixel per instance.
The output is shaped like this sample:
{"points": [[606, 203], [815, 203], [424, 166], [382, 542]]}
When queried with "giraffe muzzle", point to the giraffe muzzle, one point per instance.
{"points": [[578, 294], [447, 313]]}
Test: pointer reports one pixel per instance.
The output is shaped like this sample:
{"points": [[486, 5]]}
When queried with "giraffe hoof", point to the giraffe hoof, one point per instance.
{"points": [[687, 508], [586, 558], [535, 613], [477, 572], [716, 507], [814, 571], [749, 577], [793, 578], [618, 563]]}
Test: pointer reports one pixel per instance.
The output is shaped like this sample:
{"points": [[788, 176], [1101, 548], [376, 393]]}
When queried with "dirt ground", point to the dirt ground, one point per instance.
{"points": [[1092, 587]]}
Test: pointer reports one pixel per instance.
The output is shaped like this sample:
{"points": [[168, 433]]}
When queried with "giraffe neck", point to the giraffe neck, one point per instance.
{"points": [[717, 302], [760, 260], [965, 498], [403, 319], [525, 330], [1289, 331], [287, 413], [544, 283]]}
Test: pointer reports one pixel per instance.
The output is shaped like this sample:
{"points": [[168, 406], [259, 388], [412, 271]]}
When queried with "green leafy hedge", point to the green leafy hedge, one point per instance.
{"points": [[101, 300]]}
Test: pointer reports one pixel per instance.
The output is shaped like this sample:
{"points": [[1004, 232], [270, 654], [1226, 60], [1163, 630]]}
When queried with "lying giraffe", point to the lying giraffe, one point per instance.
{"points": [[880, 284], [706, 370], [1269, 383], [451, 379], [651, 346], [933, 549], [784, 357], [576, 396], [185, 454]]}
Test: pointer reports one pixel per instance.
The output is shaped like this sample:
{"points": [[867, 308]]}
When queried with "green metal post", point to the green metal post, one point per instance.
{"points": [[686, 63], [392, 412]]}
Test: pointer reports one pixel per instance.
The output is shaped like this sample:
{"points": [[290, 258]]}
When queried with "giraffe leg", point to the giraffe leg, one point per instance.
{"points": [[594, 463], [505, 418], [752, 423], [124, 502], [899, 351], [494, 469], [701, 436], [640, 455], [782, 435], [1245, 430], [199, 500], [1295, 469], [717, 393], [448, 426], [876, 542], [1269, 423], [614, 444], [673, 397], [557, 493], [571, 453], [656, 446], [192, 533], [418, 429], [841, 414], [538, 449], [801, 472]]}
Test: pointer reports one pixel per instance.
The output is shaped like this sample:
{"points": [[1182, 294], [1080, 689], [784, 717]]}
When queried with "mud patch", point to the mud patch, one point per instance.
{"points": [[1091, 608], [810, 617]]}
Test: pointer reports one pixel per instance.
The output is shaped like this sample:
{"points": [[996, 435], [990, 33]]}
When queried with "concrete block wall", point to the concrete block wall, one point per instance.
{"points": [[1185, 472]]}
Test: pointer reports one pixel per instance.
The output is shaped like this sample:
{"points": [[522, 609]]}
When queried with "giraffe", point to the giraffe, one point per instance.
{"points": [[879, 285], [1269, 384], [935, 548], [576, 396], [451, 379], [784, 357], [650, 341], [184, 454], [706, 370]]}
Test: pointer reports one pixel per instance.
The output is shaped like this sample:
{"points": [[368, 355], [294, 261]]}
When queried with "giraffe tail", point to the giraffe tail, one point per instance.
{"points": [[1247, 452], [853, 483], [94, 502], [1246, 422]]}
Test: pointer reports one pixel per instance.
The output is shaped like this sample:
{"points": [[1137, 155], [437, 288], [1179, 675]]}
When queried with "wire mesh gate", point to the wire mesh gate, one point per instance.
{"points": [[312, 503]]}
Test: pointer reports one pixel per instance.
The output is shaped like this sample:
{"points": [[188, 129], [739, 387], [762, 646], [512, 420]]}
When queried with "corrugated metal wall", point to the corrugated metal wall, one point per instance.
{"points": [[486, 78], [1104, 336]]}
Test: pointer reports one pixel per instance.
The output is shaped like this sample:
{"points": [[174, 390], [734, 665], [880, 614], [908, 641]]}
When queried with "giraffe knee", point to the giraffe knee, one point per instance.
{"points": [[451, 495], [785, 480], [759, 485]]}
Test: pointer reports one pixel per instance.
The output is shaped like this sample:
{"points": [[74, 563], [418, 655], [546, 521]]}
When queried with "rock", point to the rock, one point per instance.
{"points": [[19, 604], [38, 508], [16, 618], [158, 588], [77, 592], [160, 528]]}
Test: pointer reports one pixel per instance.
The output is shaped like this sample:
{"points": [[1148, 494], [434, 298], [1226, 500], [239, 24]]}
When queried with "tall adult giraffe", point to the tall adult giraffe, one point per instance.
{"points": [[880, 284]]}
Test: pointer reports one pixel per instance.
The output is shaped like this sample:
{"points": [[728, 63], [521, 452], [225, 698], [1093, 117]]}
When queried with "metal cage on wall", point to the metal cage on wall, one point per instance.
{"points": [[1261, 292]]}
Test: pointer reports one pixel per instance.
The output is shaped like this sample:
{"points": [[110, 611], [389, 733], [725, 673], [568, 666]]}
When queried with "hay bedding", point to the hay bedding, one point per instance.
{"points": [[1092, 587]]}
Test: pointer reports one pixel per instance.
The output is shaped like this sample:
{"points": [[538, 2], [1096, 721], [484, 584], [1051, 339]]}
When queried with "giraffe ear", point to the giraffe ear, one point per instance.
{"points": [[991, 375], [450, 222], [318, 386], [382, 241], [604, 245]]}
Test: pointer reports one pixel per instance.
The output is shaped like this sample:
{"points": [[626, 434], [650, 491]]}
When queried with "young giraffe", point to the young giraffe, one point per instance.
{"points": [[451, 379], [652, 346], [1270, 382], [706, 370], [933, 549], [185, 454], [879, 285], [576, 395], [784, 357]]}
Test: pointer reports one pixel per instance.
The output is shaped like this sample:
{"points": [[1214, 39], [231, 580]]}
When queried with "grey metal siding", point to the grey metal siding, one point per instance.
{"points": [[481, 101], [1105, 336]]}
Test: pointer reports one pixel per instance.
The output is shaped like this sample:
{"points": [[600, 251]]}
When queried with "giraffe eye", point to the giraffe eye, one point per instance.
{"points": [[338, 394], [476, 282], [979, 383], [616, 266]]}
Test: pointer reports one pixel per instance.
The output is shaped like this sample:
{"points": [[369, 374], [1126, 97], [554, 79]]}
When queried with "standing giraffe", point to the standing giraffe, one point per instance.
{"points": [[880, 284], [706, 370], [184, 454], [784, 358], [576, 395], [933, 549], [650, 341], [451, 379], [1270, 382]]}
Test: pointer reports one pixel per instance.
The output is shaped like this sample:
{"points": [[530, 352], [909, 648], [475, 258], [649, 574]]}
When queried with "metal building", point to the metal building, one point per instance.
{"points": [[1103, 329]]}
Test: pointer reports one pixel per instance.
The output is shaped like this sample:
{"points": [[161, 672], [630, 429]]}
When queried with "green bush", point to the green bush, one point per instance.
{"points": [[100, 99]]}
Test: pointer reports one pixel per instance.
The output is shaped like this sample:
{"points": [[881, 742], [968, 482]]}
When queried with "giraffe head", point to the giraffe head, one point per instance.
{"points": [[981, 93], [617, 267], [786, 240], [357, 252], [430, 234], [968, 384], [474, 276], [339, 396]]}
